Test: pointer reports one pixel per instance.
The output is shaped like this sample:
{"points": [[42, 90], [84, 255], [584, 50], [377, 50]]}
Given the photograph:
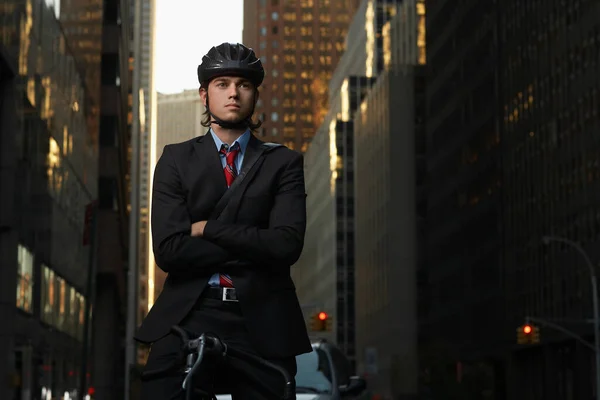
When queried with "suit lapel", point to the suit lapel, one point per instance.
{"points": [[253, 151], [209, 157]]}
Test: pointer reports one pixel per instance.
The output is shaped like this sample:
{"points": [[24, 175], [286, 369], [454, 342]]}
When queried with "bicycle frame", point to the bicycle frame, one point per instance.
{"points": [[196, 349]]}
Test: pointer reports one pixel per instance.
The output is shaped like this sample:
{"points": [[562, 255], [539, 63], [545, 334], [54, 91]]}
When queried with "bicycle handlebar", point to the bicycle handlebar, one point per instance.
{"points": [[214, 345]]}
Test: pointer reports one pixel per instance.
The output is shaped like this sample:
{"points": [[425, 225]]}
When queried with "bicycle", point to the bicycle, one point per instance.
{"points": [[194, 351]]}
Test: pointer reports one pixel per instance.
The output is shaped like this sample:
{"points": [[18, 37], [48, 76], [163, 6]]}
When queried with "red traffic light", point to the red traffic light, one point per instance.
{"points": [[322, 316], [527, 329]]}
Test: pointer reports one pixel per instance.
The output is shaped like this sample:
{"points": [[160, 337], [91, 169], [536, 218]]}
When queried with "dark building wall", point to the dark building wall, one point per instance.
{"points": [[512, 156], [49, 162], [463, 261], [550, 119], [48, 176]]}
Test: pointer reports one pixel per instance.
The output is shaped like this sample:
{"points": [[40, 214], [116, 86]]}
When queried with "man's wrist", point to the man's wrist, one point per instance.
{"points": [[197, 228]]}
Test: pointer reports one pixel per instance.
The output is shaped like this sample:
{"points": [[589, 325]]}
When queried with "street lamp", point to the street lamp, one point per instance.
{"points": [[546, 240]]}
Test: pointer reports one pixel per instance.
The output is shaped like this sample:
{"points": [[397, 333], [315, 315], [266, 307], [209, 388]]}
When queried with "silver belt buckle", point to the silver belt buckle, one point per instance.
{"points": [[229, 294]]}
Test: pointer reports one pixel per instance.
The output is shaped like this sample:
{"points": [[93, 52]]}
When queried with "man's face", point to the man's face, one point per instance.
{"points": [[231, 98]]}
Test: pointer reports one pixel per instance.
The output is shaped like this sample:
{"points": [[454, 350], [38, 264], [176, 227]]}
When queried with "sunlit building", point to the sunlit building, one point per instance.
{"points": [[389, 204], [373, 98], [179, 117], [147, 152], [300, 43]]}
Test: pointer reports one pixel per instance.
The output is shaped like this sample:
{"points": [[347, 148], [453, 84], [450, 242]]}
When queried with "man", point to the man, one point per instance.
{"points": [[228, 268]]}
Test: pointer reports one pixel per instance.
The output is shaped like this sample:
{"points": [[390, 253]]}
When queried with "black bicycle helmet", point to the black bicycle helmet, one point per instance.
{"points": [[231, 59]]}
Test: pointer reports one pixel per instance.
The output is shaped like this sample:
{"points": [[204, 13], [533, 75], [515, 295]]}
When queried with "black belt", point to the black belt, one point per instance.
{"points": [[220, 293]]}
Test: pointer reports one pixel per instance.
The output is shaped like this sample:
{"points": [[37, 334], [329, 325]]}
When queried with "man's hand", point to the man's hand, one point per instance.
{"points": [[198, 228]]}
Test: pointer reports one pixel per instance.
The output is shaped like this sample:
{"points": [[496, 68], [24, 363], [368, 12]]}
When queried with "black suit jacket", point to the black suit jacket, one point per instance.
{"points": [[255, 240]]}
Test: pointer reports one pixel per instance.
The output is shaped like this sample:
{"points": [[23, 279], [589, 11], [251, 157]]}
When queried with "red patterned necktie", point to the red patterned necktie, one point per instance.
{"points": [[230, 169], [230, 173]]}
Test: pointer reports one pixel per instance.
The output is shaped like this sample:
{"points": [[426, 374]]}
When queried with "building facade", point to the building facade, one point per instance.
{"points": [[390, 200], [49, 174], [299, 43], [179, 117], [147, 148], [464, 194], [328, 258], [62, 263], [512, 158], [343, 266], [549, 119]]}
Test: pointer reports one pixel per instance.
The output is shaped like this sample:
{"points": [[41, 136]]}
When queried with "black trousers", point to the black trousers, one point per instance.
{"points": [[221, 376]]}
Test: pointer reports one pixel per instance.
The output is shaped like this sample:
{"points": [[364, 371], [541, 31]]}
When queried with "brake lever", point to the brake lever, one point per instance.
{"points": [[216, 345]]}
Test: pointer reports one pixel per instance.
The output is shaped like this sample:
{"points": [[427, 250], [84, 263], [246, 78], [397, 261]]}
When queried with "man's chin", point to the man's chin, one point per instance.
{"points": [[231, 119]]}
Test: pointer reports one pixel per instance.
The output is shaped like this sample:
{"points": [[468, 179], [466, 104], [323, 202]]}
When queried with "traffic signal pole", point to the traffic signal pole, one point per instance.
{"points": [[561, 329], [594, 281]]}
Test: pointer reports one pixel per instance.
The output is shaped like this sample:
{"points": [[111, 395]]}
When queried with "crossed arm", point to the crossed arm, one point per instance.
{"points": [[183, 247]]}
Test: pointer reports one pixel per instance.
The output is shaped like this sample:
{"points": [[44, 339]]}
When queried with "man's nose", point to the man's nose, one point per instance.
{"points": [[233, 90]]}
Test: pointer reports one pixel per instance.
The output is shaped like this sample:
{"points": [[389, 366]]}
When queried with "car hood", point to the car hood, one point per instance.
{"points": [[303, 396]]}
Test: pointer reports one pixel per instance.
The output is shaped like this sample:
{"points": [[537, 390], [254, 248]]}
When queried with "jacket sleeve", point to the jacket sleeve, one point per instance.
{"points": [[282, 242], [175, 250]]}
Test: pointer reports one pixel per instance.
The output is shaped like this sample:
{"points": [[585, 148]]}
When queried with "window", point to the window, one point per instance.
{"points": [[263, 31], [61, 309], [47, 295], [24, 279], [274, 101], [274, 117], [275, 16]]}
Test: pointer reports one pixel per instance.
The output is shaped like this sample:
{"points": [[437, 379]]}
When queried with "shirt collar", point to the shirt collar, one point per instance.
{"points": [[242, 141]]}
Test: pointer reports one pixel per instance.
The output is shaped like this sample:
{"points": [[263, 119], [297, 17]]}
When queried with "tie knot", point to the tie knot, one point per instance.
{"points": [[226, 149], [230, 152]]}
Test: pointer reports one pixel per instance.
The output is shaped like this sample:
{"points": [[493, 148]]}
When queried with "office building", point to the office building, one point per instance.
{"points": [[147, 152], [389, 144], [327, 274], [179, 118], [299, 43], [548, 117], [54, 166]]}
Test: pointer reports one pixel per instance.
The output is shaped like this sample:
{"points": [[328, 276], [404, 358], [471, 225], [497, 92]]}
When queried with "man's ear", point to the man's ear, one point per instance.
{"points": [[203, 93], [256, 94]]}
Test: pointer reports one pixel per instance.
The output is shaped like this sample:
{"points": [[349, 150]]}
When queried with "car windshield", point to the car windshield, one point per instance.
{"points": [[314, 373]]}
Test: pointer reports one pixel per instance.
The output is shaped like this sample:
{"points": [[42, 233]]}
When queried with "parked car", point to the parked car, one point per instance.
{"points": [[325, 374]]}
